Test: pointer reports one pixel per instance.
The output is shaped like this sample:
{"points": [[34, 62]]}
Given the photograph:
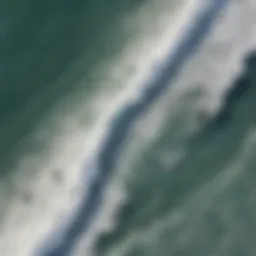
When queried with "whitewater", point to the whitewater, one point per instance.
{"points": [[79, 182]]}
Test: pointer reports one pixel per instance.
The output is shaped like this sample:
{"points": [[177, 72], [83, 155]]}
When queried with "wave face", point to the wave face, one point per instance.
{"points": [[106, 158], [195, 202], [131, 134]]}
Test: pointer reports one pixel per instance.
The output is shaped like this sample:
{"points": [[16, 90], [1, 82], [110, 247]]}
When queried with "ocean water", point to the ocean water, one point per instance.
{"points": [[127, 128]]}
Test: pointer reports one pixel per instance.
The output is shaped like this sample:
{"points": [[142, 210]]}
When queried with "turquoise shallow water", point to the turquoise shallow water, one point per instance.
{"points": [[182, 183]]}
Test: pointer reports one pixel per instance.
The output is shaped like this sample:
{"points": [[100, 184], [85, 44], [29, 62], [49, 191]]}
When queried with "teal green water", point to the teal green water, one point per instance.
{"points": [[202, 202], [45, 49], [205, 205]]}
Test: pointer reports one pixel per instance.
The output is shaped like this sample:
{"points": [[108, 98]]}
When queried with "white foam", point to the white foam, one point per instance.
{"points": [[165, 40], [26, 222], [211, 71], [213, 68]]}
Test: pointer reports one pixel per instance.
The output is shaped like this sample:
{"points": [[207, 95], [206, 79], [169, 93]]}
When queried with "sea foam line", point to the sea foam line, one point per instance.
{"points": [[223, 64], [65, 141], [105, 159]]}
